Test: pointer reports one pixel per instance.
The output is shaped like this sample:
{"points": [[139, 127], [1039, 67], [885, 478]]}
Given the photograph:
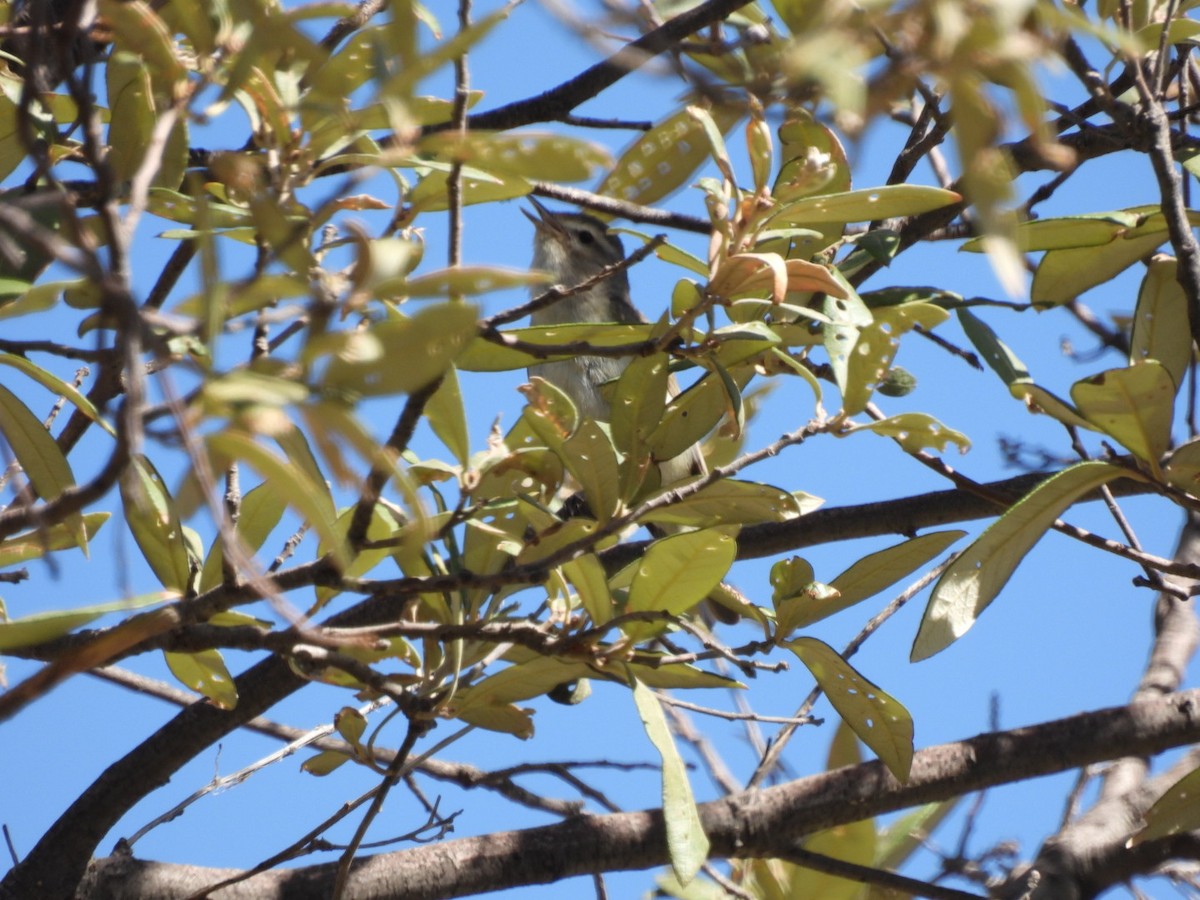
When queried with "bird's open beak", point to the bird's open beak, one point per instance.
{"points": [[544, 220]]}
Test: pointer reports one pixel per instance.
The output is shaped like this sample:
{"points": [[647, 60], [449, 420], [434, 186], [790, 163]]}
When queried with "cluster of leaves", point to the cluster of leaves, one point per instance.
{"points": [[502, 596]]}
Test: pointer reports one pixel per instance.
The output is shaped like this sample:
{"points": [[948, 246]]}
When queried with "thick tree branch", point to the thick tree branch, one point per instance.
{"points": [[762, 823]]}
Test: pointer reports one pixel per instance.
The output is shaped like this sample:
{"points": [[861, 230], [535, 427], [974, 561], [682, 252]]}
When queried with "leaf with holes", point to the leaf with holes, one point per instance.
{"points": [[664, 158], [915, 431], [879, 720], [865, 205]]}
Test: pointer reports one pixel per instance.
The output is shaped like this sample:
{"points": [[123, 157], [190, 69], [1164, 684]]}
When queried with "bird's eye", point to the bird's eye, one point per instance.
{"points": [[585, 237]]}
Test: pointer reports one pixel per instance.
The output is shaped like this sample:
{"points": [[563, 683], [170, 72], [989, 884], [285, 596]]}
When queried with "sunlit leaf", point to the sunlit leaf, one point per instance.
{"points": [[36, 544], [1160, 322], [324, 762], [915, 431], [427, 343], [1176, 811], [205, 673], [486, 356], [728, 502], [56, 386], [1134, 405], [972, 582], [687, 844], [676, 573], [664, 158], [879, 720], [30, 631], [865, 205], [448, 418], [153, 519]]}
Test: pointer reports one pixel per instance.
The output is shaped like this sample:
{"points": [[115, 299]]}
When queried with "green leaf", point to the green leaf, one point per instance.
{"points": [[486, 356], [676, 676], [637, 405], [432, 192], [665, 157], [426, 344], [687, 844], [153, 520], [205, 673], [994, 351], [1039, 400], [865, 205], [876, 347], [260, 511], [44, 464], [872, 574], [676, 573], [35, 544], [30, 631], [1063, 275], [448, 417], [469, 280], [1089, 230], [909, 833], [1134, 405], [1183, 468], [915, 431], [131, 101], [56, 386], [847, 317], [879, 720], [588, 454], [291, 482], [324, 762], [502, 717], [350, 724], [522, 681], [728, 502], [972, 582], [1160, 323], [528, 154], [694, 413], [1174, 812]]}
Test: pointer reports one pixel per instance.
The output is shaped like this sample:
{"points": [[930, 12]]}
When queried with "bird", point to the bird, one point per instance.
{"points": [[573, 247]]}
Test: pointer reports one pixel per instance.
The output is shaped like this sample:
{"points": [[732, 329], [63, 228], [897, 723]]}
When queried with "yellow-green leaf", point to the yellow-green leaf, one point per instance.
{"points": [[687, 845], [677, 572], [30, 631], [43, 463], [448, 418], [411, 352], [1174, 812], [1160, 322], [56, 386], [289, 481], [664, 158], [1134, 405], [865, 205], [879, 720], [879, 570], [972, 582], [728, 502], [588, 455], [470, 280], [205, 673], [35, 544], [489, 356], [324, 762], [154, 522], [1063, 275], [915, 431]]}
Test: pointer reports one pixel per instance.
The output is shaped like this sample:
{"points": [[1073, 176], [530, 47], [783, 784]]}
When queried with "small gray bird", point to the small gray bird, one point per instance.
{"points": [[573, 247]]}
